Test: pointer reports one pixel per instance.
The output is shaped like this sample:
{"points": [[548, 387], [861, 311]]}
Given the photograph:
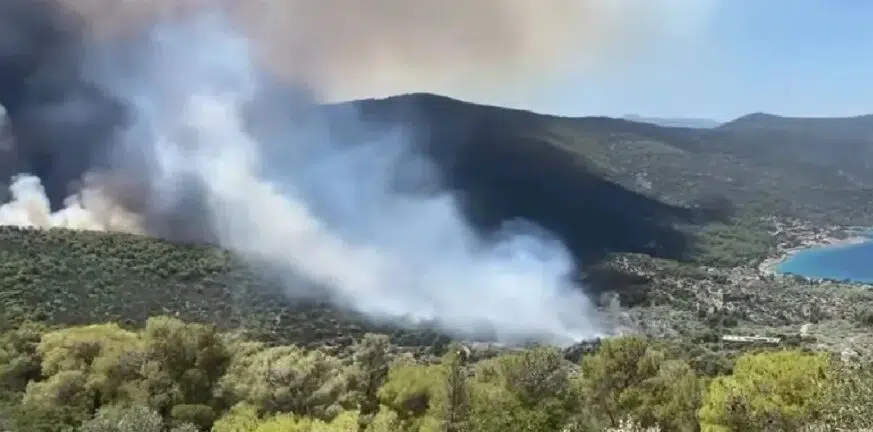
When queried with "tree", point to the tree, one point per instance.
{"points": [[19, 359], [60, 403], [451, 403], [612, 378], [240, 418], [287, 379], [183, 363], [81, 348], [372, 362], [125, 419], [674, 396], [493, 408], [385, 420], [766, 391], [527, 391], [72, 360], [200, 416], [409, 391], [628, 378]]}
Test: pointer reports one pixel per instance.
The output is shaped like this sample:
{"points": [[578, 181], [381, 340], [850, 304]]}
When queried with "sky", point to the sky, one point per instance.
{"points": [[788, 57]]}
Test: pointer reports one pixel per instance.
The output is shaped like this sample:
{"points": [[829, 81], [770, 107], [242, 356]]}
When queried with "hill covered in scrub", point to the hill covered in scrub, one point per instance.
{"points": [[615, 185], [67, 277]]}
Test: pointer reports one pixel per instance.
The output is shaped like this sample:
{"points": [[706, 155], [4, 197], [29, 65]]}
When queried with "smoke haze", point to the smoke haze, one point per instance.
{"points": [[148, 117], [349, 49]]}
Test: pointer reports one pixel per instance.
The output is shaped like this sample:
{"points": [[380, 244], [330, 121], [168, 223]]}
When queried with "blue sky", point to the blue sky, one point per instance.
{"points": [[790, 57]]}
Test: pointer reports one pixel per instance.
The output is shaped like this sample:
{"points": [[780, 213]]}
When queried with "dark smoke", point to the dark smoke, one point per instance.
{"points": [[61, 123]]}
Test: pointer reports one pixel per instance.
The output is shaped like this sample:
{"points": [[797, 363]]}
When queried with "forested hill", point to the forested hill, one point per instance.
{"points": [[608, 184]]}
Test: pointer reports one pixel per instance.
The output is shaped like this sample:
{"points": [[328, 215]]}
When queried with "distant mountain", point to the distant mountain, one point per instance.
{"points": [[607, 184], [577, 174], [842, 146], [507, 164], [696, 123]]}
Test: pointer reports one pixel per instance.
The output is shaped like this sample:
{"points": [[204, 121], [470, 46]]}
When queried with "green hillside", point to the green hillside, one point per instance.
{"points": [[67, 277]]}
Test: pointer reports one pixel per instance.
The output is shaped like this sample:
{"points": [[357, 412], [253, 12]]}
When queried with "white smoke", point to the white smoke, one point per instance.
{"points": [[323, 211], [89, 209]]}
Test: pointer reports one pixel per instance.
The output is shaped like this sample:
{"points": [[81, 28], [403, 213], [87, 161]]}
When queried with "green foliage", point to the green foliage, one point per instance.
{"points": [[128, 419], [184, 362], [410, 388], [68, 277], [19, 359], [289, 379], [240, 418], [769, 390], [451, 404], [200, 416], [743, 242], [371, 366], [243, 418], [848, 396], [181, 377], [628, 378]]}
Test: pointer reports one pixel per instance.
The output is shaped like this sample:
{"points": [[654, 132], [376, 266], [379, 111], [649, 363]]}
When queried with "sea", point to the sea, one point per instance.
{"points": [[849, 262]]}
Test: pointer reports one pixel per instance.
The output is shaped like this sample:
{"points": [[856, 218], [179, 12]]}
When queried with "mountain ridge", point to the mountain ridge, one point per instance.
{"points": [[686, 122], [749, 156]]}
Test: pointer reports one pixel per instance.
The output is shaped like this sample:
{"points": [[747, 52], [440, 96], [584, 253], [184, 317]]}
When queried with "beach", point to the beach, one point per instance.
{"points": [[769, 265]]}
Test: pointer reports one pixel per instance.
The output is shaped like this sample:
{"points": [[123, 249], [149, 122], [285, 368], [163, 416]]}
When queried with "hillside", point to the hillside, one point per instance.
{"points": [[842, 145], [669, 225], [764, 169], [604, 185], [608, 187], [66, 277], [71, 278]]}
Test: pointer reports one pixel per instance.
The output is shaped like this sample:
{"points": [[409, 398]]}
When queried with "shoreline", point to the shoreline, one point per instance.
{"points": [[768, 266]]}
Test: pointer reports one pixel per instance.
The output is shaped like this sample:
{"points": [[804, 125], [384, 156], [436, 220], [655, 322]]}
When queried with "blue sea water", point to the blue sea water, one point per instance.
{"points": [[852, 262]]}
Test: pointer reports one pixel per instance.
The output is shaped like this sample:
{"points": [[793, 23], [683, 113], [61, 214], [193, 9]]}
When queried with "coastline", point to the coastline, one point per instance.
{"points": [[769, 265]]}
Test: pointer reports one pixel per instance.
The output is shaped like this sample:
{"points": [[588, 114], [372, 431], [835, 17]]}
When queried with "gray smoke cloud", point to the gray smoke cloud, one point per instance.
{"points": [[148, 117]]}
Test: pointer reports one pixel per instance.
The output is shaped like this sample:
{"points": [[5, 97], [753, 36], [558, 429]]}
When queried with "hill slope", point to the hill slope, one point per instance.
{"points": [[808, 168], [506, 164], [69, 277]]}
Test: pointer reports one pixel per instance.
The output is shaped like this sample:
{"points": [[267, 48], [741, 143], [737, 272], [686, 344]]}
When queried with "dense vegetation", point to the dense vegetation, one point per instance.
{"points": [[69, 278], [65, 277], [171, 375]]}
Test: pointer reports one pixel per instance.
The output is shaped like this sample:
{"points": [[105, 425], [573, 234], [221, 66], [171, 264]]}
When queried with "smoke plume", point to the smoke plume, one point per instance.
{"points": [[348, 49], [165, 118]]}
